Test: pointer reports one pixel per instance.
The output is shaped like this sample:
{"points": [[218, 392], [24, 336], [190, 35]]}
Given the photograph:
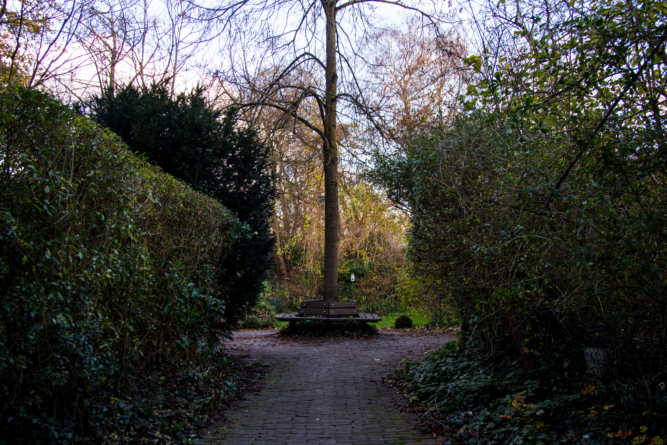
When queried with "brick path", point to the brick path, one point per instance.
{"points": [[324, 391]]}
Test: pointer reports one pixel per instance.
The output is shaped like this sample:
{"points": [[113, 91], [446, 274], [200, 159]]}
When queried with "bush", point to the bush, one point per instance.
{"points": [[107, 268], [193, 140], [403, 322], [267, 324], [252, 322], [540, 219]]}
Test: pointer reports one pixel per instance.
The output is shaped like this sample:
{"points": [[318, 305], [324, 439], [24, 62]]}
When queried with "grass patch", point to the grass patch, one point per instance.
{"points": [[388, 320]]}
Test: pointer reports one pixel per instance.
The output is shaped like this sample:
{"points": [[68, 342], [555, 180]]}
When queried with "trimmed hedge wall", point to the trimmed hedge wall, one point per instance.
{"points": [[107, 266]]}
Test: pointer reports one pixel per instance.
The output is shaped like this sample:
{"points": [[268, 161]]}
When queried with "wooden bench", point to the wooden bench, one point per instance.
{"points": [[320, 310]]}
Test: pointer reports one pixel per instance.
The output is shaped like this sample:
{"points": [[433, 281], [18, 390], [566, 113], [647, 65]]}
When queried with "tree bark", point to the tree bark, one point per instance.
{"points": [[330, 150]]}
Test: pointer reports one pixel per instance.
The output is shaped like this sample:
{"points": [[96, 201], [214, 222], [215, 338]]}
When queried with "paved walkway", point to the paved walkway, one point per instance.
{"points": [[324, 391]]}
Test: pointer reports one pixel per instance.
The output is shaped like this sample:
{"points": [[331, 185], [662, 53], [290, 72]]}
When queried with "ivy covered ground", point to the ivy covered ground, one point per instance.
{"points": [[174, 409], [469, 400]]}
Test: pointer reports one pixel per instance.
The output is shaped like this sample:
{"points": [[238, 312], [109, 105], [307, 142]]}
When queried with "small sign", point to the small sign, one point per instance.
{"points": [[352, 278]]}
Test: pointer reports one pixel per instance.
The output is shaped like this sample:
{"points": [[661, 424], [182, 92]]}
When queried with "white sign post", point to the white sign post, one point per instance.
{"points": [[352, 278]]}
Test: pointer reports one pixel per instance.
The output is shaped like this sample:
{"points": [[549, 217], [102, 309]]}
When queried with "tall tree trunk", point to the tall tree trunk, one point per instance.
{"points": [[330, 149], [280, 263]]}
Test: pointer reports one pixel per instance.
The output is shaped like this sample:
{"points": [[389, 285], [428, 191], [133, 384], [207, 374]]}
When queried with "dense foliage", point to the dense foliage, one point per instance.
{"points": [[472, 401], [107, 270], [540, 213], [192, 140]]}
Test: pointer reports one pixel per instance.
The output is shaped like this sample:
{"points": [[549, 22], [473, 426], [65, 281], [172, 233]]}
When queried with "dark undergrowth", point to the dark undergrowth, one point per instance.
{"points": [[170, 410], [470, 401], [325, 329]]}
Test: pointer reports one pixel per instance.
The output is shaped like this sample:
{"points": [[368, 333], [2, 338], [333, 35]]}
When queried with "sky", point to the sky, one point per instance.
{"points": [[83, 63]]}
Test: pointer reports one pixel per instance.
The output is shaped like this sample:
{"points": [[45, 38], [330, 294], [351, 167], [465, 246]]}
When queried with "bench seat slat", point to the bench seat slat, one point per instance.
{"points": [[369, 318], [328, 304], [314, 311]]}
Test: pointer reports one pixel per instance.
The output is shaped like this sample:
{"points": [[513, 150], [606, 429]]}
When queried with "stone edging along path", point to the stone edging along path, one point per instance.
{"points": [[323, 391]]}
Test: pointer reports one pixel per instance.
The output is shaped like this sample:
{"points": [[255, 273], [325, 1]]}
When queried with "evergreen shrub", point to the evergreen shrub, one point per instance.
{"points": [[107, 268], [193, 140], [403, 322]]}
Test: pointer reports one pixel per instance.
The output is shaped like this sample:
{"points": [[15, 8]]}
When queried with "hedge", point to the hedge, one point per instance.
{"points": [[107, 267]]}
